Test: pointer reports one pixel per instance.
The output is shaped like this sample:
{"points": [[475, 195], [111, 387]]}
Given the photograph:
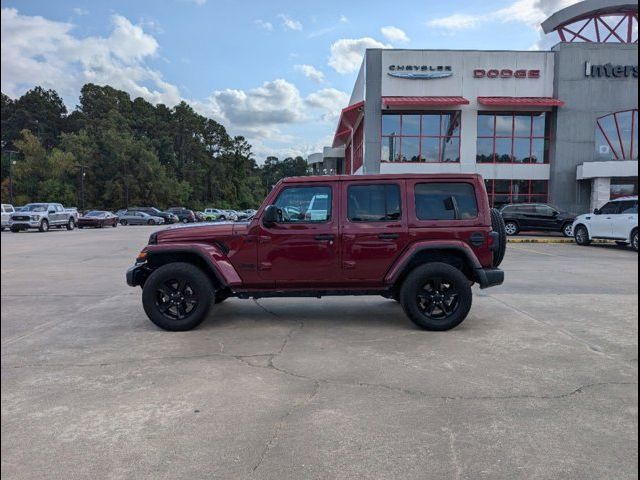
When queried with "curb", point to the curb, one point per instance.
{"points": [[550, 240]]}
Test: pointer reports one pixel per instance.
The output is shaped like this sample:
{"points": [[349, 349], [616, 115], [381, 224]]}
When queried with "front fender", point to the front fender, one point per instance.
{"points": [[212, 255], [456, 246]]}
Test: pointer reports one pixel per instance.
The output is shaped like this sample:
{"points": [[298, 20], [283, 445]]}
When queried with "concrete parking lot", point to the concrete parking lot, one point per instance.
{"points": [[539, 382]]}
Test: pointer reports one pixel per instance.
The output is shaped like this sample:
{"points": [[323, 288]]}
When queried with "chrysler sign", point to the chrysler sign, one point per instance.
{"points": [[420, 72]]}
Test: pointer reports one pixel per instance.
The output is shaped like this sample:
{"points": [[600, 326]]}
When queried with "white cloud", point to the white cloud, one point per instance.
{"points": [[311, 72], [346, 54], [37, 51], [80, 12], [268, 26], [457, 21], [343, 19], [289, 23], [330, 101], [394, 34], [260, 110], [530, 12]]}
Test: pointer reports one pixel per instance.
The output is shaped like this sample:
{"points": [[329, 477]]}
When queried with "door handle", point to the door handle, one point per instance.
{"points": [[324, 238], [388, 236]]}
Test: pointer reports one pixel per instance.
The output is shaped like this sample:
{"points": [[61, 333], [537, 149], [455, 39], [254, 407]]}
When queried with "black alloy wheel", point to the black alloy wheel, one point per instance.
{"points": [[123, 222], [177, 296], [634, 240], [436, 296]]}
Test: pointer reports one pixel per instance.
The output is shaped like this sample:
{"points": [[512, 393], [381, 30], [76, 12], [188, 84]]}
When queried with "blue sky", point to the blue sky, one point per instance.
{"points": [[277, 72]]}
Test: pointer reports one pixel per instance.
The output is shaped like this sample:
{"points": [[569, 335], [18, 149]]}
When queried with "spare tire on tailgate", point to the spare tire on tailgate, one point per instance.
{"points": [[497, 223]]}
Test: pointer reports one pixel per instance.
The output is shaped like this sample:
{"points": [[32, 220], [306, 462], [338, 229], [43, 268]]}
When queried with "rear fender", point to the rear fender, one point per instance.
{"points": [[455, 247], [211, 256]]}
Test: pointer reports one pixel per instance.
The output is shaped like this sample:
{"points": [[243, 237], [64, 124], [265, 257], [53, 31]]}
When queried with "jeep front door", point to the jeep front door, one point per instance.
{"points": [[302, 250], [374, 230]]}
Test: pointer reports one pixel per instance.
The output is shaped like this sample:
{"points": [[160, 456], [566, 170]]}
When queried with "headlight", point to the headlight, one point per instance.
{"points": [[35, 218]]}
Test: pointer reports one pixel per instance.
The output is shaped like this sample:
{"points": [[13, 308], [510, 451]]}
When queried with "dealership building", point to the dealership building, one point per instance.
{"points": [[558, 126]]}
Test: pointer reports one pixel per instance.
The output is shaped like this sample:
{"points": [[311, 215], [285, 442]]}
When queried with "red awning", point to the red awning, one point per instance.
{"points": [[423, 101], [520, 102], [348, 119]]}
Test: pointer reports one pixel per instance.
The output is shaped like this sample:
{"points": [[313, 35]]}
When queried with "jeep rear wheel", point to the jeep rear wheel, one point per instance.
{"points": [[436, 296], [177, 296]]}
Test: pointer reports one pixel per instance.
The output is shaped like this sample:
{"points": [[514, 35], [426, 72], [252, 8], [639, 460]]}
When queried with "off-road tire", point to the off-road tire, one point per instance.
{"points": [[71, 224], [44, 226], [497, 223], [414, 284], [195, 278], [581, 235]]}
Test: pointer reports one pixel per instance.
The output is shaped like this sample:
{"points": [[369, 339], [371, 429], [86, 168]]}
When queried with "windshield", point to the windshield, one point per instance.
{"points": [[95, 213], [35, 207]]}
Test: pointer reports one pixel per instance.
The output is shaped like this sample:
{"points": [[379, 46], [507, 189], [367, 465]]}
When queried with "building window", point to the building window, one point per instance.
{"points": [[502, 192], [623, 187], [617, 136], [421, 137], [512, 138]]}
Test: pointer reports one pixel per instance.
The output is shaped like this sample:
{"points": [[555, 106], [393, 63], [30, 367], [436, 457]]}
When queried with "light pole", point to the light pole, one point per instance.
{"points": [[12, 162], [83, 174]]}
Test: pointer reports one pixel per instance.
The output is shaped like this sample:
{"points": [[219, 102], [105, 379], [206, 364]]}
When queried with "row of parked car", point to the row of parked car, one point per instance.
{"points": [[617, 220], [43, 216]]}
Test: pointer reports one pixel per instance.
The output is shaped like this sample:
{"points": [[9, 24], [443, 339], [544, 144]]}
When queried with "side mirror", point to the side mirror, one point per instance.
{"points": [[272, 215], [596, 211]]}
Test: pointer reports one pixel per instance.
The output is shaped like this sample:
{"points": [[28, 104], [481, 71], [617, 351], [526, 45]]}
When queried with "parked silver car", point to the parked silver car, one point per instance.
{"points": [[134, 217]]}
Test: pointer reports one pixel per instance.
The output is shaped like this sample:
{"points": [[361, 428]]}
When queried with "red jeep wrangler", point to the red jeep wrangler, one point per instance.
{"points": [[422, 240]]}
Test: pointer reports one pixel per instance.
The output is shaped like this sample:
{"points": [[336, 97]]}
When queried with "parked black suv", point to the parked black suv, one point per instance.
{"points": [[536, 217], [154, 212]]}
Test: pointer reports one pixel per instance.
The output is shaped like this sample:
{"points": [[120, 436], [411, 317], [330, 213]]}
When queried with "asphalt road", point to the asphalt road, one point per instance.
{"points": [[539, 382]]}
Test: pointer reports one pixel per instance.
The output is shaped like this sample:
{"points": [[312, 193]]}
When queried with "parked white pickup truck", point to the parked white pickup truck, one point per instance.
{"points": [[41, 216]]}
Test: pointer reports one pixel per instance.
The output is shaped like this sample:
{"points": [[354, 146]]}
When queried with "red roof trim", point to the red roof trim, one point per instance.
{"points": [[423, 101], [520, 102], [348, 117]]}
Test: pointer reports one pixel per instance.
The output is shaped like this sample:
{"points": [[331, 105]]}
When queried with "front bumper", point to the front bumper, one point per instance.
{"points": [[137, 274], [489, 277], [23, 224]]}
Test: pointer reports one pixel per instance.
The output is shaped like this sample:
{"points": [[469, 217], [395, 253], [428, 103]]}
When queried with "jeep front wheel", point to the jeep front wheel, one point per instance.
{"points": [[436, 296], [177, 296]]}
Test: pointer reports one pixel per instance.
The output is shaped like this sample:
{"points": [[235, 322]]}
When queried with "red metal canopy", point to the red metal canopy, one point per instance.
{"points": [[348, 118], [520, 102], [423, 101]]}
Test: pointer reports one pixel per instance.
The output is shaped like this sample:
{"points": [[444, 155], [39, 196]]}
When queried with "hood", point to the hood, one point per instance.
{"points": [[190, 233]]}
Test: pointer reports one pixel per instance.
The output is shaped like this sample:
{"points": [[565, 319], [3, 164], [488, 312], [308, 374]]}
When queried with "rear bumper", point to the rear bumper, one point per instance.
{"points": [[489, 277]]}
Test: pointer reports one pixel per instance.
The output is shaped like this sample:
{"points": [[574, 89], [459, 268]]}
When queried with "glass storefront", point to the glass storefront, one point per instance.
{"points": [[623, 187], [617, 136], [502, 192], [421, 137], [512, 138]]}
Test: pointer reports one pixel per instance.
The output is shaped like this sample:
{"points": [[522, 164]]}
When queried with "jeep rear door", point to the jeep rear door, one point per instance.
{"points": [[302, 250], [374, 228]]}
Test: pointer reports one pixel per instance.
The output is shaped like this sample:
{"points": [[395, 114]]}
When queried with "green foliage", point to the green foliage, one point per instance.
{"points": [[113, 152]]}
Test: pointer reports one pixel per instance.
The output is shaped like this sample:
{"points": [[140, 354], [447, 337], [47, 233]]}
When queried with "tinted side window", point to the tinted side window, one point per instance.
{"points": [[305, 204], [373, 203], [438, 201], [609, 208], [629, 207], [544, 210]]}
